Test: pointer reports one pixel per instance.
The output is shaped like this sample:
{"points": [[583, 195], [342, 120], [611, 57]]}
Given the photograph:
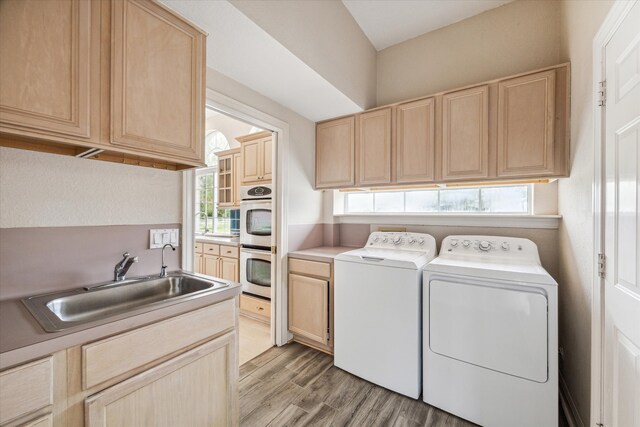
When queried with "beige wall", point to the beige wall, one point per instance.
{"points": [[50, 190], [513, 38], [580, 20], [324, 35]]}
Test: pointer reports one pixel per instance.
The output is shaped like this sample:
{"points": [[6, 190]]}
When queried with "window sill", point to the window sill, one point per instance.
{"points": [[463, 220]]}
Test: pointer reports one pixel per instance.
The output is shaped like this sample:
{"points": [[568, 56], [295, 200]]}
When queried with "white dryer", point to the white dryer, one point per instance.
{"points": [[490, 330], [378, 310]]}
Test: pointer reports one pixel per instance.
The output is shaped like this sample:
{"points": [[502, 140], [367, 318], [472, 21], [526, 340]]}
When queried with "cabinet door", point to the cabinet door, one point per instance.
{"points": [[154, 110], [309, 307], [373, 149], [229, 269], [266, 159], [526, 116], [251, 161], [210, 265], [197, 388], [335, 151], [198, 263], [465, 134], [415, 141], [237, 168], [50, 68]]}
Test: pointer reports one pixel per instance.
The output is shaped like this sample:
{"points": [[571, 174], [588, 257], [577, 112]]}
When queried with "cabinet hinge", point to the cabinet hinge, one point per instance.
{"points": [[602, 93], [602, 265], [274, 250]]}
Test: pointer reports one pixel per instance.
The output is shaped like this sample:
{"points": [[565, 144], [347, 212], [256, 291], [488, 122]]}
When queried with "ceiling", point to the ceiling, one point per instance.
{"points": [[388, 22]]}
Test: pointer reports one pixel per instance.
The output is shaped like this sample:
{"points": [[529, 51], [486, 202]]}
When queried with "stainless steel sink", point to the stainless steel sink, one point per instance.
{"points": [[112, 300]]}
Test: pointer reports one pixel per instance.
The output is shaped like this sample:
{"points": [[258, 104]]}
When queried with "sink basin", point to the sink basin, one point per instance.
{"points": [[113, 300]]}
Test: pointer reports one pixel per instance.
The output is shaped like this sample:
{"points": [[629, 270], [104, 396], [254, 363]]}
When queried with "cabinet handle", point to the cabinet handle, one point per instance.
{"points": [[260, 308]]}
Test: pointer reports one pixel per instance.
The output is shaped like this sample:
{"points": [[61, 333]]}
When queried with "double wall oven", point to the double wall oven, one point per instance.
{"points": [[255, 239]]}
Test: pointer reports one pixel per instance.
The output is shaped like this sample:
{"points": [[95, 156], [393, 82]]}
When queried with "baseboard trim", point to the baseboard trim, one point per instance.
{"points": [[568, 405]]}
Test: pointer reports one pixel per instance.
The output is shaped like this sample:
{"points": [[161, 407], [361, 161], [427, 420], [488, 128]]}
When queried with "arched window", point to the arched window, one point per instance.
{"points": [[214, 141]]}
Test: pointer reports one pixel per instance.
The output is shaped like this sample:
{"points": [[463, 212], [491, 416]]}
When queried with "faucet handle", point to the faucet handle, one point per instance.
{"points": [[134, 259], [125, 255]]}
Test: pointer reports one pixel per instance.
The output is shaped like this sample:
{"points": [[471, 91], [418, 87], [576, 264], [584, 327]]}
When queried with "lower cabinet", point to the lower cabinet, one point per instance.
{"points": [[193, 389], [217, 261], [310, 301]]}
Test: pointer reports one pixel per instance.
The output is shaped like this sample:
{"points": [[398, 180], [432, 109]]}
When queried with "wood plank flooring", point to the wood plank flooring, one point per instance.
{"points": [[295, 385]]}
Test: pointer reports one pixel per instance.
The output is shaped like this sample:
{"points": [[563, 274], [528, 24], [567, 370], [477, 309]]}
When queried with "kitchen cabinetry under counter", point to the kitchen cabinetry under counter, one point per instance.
{"points": [[164, 373], [101, 88], [217, 260], [311, 296]]}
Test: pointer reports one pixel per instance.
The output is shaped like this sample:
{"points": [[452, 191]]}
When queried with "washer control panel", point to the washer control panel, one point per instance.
{"points": [[401, 241], [489, 247]]}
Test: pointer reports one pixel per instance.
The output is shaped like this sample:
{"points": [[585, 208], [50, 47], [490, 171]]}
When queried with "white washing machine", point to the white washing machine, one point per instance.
{"points": [[490, 326], [378, 310]]}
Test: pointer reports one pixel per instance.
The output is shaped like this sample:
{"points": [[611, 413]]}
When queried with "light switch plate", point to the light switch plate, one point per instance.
{"points": [[160, 237]]}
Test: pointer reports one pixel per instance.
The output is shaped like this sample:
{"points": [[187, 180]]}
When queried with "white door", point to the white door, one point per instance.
{"points": [[621, 354]]}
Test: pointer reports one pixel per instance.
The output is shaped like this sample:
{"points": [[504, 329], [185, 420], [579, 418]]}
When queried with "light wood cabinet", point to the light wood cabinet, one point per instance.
{"points": [[465, 134], [335, 153], [526, 125], [373, 148], [228, 178], [415, 142], [198, 258], [78, 75], [256, 153], [309, 307], [218, 261], [508, 129], [26, 389], [310, 302], [195, 388], [256, 308], [237, 178]]}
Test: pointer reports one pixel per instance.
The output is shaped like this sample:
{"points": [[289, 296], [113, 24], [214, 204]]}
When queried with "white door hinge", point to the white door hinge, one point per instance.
{"points": [[602, 266], [602, 93]]}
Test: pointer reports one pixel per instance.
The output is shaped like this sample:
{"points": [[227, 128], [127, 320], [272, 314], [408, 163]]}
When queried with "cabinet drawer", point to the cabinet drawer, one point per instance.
{"points": [[312, 268], [198, 247], [26, 389], [255, 306], [229, 251], [115, 356], [46, 421], [210, 249]]}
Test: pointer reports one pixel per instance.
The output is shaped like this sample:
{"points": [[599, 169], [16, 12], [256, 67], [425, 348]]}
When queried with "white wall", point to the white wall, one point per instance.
{"points": [[324, 35], [50, 190], [513, 38], [579, 23], [229, 127]]}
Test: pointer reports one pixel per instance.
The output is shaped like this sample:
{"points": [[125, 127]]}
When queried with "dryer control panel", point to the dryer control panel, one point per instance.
{"points": [[401, 241], [490, 247]]}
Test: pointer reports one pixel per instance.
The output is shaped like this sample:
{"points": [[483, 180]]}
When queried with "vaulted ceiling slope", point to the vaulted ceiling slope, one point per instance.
{"points": [[242, 50], [389, 22]]}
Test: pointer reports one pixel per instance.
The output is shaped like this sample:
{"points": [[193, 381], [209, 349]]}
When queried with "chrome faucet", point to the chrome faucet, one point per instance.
{"points": [[163, 269], [123, 266]]}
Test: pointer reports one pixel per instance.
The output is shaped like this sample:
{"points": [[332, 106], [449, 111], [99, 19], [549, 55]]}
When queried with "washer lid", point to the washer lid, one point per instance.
{"points": [[388, 257], [516, 272]]}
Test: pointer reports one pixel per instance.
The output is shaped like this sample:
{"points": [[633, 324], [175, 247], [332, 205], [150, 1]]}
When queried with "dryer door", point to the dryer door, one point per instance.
{"points": [[503, 328]]}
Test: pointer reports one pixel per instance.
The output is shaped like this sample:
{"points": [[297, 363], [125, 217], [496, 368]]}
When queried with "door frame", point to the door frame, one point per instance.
{"points": [[610, 25], [279, 331]]}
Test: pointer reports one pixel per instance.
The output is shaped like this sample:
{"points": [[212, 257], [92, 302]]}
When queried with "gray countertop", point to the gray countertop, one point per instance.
{"points": [[22, 338], [321, 253]]}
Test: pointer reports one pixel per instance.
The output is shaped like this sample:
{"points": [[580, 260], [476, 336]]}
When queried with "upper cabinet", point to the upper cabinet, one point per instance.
{"points": [[508, 129], [465, 134], [125, 76], [157, 89], [228, 178], [526, 125], [50, 69], [373, 148], [415, 141], [335, 153], [256, 152]]}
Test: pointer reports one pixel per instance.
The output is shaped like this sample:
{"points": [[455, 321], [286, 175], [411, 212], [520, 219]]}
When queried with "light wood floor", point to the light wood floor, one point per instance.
{"points": [[295, 385], [255, 338]]}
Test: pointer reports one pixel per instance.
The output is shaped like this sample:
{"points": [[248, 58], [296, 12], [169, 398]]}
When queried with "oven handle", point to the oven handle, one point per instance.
{"points": [[256, 251], [255, 202]]}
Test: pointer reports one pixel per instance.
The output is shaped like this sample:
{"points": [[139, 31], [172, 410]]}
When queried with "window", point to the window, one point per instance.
{"points": [[209, 218], [513, 199]]}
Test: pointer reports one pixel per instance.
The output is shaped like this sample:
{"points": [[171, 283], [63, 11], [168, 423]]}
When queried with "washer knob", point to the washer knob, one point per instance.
{"points": [[484, 245], [412, 240], [421, 241], [454, 242], [466, 243], [384, 240], [505, 246], [397, 240]]}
